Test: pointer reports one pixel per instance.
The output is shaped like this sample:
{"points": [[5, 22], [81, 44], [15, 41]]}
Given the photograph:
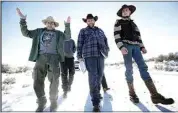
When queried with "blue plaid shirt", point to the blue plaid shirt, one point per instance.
{"points": [[91, 43]]}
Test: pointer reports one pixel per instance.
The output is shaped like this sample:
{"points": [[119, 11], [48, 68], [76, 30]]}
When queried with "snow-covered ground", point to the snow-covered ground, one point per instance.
{"points": [[24, 99]]}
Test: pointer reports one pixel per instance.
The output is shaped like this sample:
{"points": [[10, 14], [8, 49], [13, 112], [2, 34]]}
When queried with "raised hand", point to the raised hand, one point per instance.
{"points": [[68, 20], [20, 14]]}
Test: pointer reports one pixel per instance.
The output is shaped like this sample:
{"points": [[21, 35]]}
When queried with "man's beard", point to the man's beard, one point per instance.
{"points": [[50, 28], [91, 25]]}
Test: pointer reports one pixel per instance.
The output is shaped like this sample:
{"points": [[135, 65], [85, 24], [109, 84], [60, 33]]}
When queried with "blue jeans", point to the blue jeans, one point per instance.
{"points": [[135, 52], [95, 68]]}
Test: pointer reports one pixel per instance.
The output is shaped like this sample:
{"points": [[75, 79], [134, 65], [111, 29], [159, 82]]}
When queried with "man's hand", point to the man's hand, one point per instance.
{"points": [[144, 51], [20, 14], [124, 50], [80, 59], [68, 20]]}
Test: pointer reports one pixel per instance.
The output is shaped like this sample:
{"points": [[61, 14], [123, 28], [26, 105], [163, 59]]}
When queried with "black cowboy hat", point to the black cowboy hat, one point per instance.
{"points": [[132, 8], [90, 16]]}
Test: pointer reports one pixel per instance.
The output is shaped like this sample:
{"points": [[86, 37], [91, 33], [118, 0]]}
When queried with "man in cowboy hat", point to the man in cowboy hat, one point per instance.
{"points": [[128, 40], [92, 47], [47, 52]]}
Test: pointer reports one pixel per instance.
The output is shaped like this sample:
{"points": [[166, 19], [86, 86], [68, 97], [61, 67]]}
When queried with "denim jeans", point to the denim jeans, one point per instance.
{"points": [[95, 68], [135, 53]]}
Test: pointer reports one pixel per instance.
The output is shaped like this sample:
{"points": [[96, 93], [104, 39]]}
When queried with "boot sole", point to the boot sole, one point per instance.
{"points": [[164, 103], [96, 110], [53, 110], [170, 101], [42, 110]]}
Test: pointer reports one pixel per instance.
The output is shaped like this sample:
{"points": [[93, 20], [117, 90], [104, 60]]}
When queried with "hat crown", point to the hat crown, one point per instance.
{"points": [[50, 18], [90, 16], [125, 5]]}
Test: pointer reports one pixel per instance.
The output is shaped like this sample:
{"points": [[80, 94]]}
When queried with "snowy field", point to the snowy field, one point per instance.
{"points": [[21, 96]]}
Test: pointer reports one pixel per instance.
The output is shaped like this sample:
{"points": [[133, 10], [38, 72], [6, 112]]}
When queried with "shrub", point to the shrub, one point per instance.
{"points": [[5, 68], [160, 58], [25, 85], [171, 56], [9, 80]]}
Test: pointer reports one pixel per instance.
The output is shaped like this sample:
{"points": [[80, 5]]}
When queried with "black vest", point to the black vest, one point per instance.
{"points": [[128, 30]]}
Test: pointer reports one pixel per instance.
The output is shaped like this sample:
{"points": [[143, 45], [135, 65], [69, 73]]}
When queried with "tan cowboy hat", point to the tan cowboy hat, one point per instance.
{"points": [[50, 19], [132, 8]]}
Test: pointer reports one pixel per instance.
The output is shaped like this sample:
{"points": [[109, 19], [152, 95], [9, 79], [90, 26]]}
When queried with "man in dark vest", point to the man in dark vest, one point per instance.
{"points": [[128, 40]]}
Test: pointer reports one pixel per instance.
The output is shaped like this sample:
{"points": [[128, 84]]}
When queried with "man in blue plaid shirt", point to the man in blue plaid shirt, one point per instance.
{"points": [[92, 48]]}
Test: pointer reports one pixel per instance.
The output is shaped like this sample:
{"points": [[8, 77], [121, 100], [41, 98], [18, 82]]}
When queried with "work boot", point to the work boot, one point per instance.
{"points": [[65, 94], [155, 96], [96, 108], [132, 94], [53, 106], [41, 104], [105, 89]]}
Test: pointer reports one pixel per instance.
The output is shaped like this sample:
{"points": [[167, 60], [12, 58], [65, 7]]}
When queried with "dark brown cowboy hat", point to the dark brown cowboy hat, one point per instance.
{"points": [[132, 8], [90, 16]]}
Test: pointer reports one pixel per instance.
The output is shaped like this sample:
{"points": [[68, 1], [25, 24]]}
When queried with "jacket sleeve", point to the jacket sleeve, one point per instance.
{"points": [[117, 34], [67, 31], [137, 31], [25, 31], [80, 43], [106, 42], [74, 46], [105, 39]]}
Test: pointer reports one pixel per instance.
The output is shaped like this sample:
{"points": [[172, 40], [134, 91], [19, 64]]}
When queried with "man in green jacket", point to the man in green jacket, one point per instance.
{"points": [[47, 52]]}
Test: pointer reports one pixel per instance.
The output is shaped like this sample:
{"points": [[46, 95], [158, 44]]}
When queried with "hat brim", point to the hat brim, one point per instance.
{"points": [[85, 20], [55, 23], [131, 7]]}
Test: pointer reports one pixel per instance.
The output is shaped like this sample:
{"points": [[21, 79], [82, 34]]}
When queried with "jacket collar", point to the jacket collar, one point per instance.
{"points": [[127, 18], [88, 27], [49, 30]]}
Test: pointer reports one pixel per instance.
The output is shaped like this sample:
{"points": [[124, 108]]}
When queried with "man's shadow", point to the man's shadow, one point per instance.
{"points": [[59, 101], [142, 107], [88, 105], [163, 109], [107, 105]]}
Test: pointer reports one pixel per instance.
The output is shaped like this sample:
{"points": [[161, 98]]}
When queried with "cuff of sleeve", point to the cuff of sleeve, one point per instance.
{"points": [[22, 21], [79, 57], [141, 48], [121, 47], [67, 24]]}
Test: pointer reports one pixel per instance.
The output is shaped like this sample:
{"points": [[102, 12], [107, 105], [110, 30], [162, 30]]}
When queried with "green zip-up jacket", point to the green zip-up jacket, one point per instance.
{"points": [[35, 36]]}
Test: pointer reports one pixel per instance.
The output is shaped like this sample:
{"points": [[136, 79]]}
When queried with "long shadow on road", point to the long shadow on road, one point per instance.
{"points": [[88, 105]]}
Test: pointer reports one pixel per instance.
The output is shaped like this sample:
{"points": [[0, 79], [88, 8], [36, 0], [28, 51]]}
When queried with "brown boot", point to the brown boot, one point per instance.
{"points": [[96, 108], [155, 96], [41, 104], [53, 106], [132, 94]]}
